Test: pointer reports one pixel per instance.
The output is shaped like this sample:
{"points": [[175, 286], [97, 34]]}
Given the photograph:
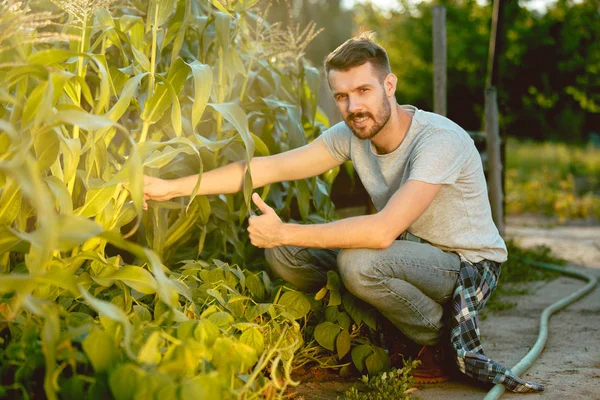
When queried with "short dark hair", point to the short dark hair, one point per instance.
{"points": [[357, 51]]}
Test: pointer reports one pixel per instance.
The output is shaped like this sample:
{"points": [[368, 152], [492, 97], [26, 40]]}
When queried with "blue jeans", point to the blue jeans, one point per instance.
{"points": [[408, 282]]}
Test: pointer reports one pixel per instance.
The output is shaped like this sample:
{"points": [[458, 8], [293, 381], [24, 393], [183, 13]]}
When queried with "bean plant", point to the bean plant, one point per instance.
{"points": [[100, 299]]}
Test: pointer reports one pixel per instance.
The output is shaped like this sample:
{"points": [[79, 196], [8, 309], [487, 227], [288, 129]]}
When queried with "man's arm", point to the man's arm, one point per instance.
{"points": [[303, 162], [375, 231]]}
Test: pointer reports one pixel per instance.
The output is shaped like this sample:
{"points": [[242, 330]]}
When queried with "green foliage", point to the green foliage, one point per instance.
{"points": [[548, 85], [553, 179], [389, 385], [102, 300]]}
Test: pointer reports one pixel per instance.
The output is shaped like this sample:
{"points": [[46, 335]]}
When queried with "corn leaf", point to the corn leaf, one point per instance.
{"points": [[219, 6], [47, 148], [96, 200], [10, 203], [203, 81], [73, 230]]}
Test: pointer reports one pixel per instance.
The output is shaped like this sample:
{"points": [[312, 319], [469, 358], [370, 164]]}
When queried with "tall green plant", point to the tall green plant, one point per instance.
{"points": [[90, 286]]}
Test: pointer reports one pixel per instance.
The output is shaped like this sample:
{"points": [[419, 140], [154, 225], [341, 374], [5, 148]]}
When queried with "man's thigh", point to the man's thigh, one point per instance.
{"points": [[304, 267], [430, 269]]}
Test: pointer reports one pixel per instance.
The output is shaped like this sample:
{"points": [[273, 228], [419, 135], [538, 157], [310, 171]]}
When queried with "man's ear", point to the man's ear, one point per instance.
{"points": [[390, 84]]}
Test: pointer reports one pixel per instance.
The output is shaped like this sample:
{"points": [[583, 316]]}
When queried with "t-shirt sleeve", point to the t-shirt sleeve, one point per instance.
{"points": [[337, 141], [439, 158]]}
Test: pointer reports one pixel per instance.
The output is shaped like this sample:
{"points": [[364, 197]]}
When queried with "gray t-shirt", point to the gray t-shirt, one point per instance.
{"points": [[434, 150]]}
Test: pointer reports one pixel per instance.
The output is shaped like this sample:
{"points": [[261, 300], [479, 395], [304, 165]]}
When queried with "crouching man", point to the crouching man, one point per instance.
{"points": [[425, 177]]}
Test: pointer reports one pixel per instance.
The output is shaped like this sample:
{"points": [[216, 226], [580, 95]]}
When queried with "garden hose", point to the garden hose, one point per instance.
{"points": [[535, 351]]}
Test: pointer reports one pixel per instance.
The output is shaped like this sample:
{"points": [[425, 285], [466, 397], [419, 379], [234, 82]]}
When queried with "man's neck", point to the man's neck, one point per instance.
{"points": [[390, 137]]}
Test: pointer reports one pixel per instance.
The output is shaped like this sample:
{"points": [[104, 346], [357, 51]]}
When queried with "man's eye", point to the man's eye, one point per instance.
{"points": [[362, 90]]}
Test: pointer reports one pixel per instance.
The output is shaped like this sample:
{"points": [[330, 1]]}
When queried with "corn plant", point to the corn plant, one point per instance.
{"points": [[97, 297]]}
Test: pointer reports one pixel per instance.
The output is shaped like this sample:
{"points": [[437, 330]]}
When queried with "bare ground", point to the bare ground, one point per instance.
{"points": [[569, 366]]}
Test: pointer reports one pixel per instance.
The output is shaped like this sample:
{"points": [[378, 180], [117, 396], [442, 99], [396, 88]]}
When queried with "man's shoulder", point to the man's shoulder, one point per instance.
{"points": [[437, 130]]}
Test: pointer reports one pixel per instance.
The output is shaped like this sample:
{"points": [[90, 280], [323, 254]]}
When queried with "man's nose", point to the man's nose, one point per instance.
{"points": [[354, 105]]}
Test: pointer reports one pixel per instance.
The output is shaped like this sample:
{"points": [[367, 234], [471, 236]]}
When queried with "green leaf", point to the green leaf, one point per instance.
{"points": [[256, 287], [216, 295], [101, 350], [202, 387], [334, 298], [130, 90], [234, 114], [344, 320], [47, 147], [253, 312], [331, 314], [50, 56], [321, 293], [221, 319], [123, 381], [295, 303], [7, 242], [359, 355], [113, 312], [303, 196], [135, 277], [165, 289], [175, 108], [342, 343], [149, 353], [378, 361], [96, 200], [253, 338], [73, 230], [333, 280], [10, 203], [203, 81], [219, 6], [326, 333], [84, 120], [141, 58], [33, 103], [165, 10], [206, 332], [160, 158]]}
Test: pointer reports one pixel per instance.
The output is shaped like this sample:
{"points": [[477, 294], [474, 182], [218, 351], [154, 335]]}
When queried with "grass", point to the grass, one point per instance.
{"points": [[554, 179], [516, 276]]}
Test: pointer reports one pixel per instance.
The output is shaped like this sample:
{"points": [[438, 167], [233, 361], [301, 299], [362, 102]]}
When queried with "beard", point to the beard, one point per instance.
{"points": [[377, 122]]}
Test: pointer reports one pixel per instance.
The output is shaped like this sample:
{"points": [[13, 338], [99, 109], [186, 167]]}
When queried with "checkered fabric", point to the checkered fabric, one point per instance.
{"points": [[473, 288]]}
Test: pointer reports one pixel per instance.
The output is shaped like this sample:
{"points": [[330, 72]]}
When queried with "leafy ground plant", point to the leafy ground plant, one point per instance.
{"points": [[395, 384]]}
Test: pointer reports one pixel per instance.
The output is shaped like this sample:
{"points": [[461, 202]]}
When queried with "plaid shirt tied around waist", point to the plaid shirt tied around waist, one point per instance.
{"points": [[475, 284]]}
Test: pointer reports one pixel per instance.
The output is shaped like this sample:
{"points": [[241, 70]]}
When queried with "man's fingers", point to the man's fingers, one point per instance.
{"points": [[262, 206]]}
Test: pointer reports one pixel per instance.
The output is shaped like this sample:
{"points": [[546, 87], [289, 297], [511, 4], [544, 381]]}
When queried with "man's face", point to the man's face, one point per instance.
{"points": [[361, 98]]}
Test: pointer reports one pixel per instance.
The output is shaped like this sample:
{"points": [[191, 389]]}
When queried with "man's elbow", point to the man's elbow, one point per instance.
{"points": [[384, 243]]}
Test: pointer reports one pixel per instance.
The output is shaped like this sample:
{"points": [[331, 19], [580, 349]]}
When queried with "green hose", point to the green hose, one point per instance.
{"points": [[534, 353]]}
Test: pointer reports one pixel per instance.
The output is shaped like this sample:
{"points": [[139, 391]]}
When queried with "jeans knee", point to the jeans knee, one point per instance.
{"points": [[282, 262], [356, 269]]}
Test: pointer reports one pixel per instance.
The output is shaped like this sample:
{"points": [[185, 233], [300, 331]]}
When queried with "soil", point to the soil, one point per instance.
{"points": [[569, 366]]}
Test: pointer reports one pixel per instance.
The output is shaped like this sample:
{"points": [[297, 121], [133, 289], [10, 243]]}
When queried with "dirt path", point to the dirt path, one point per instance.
{"points": [[569, 366]]}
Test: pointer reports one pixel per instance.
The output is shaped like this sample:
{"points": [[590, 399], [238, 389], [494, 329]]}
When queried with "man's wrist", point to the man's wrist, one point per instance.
{"points": [[174, 188], [284, 235]]}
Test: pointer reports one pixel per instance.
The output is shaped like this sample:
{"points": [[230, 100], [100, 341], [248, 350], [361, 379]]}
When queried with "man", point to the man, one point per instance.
{"points": [[424, 176]]}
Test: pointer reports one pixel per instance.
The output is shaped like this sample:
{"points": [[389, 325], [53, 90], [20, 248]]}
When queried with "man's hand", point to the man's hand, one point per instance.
{"points": [[264, 230], [156, 189]]}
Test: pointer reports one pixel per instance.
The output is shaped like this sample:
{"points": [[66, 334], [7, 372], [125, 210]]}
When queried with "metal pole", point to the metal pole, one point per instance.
{"points": [[496, 194], [439, 60]]}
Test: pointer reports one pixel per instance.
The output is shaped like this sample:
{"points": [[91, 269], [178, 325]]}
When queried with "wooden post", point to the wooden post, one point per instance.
{"points": [[496, 194], [439, 60]]}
